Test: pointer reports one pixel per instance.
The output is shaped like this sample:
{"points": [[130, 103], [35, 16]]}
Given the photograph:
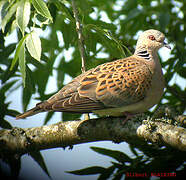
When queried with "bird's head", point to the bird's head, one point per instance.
{"points": [[151, 39]]}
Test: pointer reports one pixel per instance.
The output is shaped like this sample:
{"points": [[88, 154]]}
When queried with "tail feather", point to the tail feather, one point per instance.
{"points": [[30, 112]]}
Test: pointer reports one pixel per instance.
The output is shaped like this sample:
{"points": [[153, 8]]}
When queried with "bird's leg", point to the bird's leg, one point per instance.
{"points": [[86, 116], [128, 116]]}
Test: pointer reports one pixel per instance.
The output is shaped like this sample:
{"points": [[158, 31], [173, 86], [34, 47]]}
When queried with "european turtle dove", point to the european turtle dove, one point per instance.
{"points": [[130, 85]]}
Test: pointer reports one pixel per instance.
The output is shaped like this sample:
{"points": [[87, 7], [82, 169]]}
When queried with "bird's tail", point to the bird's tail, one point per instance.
{"points": [[30, 112]]}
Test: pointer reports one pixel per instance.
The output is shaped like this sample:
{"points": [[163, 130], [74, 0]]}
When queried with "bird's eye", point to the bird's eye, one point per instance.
{"points": [[151, 37]]}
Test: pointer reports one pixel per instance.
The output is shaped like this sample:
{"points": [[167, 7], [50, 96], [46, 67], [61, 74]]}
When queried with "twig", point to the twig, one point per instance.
{"points": [[80, 36], [80, 41]]}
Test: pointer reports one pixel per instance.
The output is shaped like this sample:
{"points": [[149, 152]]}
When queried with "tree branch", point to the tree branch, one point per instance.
{"points": [[23, 140], [80, 35]]}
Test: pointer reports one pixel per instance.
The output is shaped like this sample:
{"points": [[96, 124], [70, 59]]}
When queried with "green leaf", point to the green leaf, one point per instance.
{"points": [[107, 40], [18, 49], [84, 6], [23, 14], [13, 26], [64, 9], [42, 8], [5, 124], [15, 165], [134, 13], [69, 33], [12, 112], [6, 51], [29, 88], [36, 155], [88, 171], [120, 45], [90, 39], [6, 87], [132, 148], [22, 62], [9, 14], [118, 175], [107, 173], [48, 117], [182, 72], [33, 44], [60, 73], [3, 4], [119, 156], [164, 19]]}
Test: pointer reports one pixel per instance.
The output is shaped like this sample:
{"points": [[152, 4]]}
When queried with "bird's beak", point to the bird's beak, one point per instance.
{"points": [[166, 45]]}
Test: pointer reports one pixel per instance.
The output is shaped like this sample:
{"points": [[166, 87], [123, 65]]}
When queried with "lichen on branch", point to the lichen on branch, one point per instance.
{"points": [[63, 134]]}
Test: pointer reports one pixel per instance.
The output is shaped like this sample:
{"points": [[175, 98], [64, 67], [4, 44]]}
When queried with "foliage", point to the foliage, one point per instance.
{"points": [[151, 162], [109, 28]]}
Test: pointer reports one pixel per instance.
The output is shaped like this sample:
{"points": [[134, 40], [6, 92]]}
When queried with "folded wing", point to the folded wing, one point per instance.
{"points": [[114, 84]]}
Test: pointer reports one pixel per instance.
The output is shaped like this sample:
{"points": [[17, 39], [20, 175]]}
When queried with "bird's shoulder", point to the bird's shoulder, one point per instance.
{"points": [[127, 66]]}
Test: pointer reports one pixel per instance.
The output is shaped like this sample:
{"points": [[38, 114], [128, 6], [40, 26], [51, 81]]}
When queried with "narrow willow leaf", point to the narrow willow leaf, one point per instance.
{"points": [[103, 33], [22, 62], [107, 173], [119, 44], [37, 156], [33, 44], [5, 124], [60, 5], [17, 52], [29, 88], [164, 19], [2, 3], [9, 14], [88, 171], [2, 9], [15, 166], [117, 155], [42, 8], [48, 117], [13, 26], [23, 14]]}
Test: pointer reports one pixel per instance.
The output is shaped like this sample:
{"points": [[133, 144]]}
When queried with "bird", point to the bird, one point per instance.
{"points": [[122, 87]]}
